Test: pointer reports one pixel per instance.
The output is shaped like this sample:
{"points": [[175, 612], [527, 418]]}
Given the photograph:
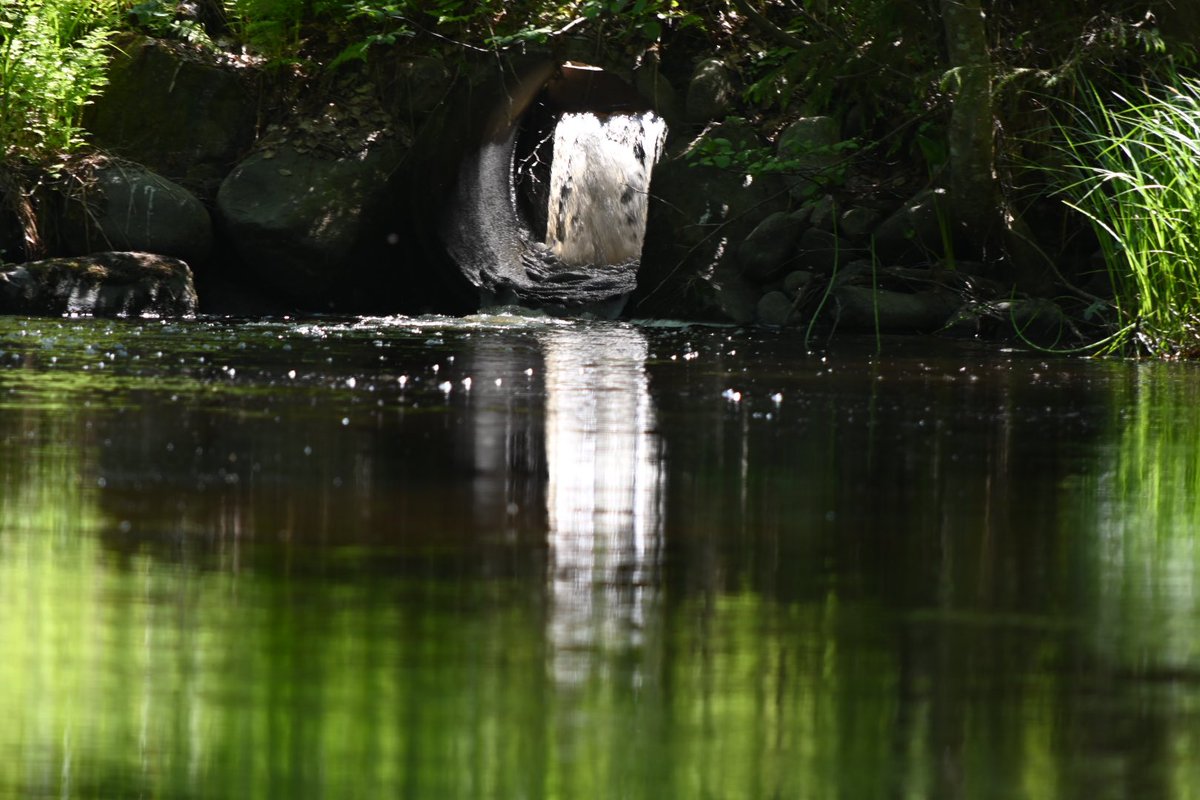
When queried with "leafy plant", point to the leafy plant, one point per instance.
{"points": [[723, 153], [161, 18], [52, 59]]}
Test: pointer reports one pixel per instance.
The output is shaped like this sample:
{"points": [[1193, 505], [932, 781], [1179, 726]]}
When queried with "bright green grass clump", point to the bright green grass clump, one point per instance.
{"points": [[1134, 171]]}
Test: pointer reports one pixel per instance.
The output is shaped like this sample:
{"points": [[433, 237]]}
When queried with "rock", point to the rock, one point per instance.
{"points": [[776, 310], [730, 298], [920, 223], [711, 92], [796, 282], [764, 254], [697, 215], [823, 253], [823, 214], [860, 308], [1039, 321], [808, 144], [104, 284], [167, 107], [128, 207], [857, 223], [298, 220]]}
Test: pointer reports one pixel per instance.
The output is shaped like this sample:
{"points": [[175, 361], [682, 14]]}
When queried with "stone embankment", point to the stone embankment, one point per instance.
{"points": [[329, 201]]}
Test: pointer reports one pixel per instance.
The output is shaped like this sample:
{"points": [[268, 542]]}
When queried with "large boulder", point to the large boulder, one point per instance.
{"points": [[124, 206], [766, 252], [301, 221], [104, 284], [711, 92], [861, 308], [177, 111], [919, 226]]}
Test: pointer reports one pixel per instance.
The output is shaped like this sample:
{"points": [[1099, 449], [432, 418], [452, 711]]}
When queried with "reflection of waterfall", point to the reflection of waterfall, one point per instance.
{"points": [[599, 179], [604, 495]]}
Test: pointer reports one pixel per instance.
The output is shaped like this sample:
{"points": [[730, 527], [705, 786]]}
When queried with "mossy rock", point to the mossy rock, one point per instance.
{"points": [[109, 284], [183, 116]]}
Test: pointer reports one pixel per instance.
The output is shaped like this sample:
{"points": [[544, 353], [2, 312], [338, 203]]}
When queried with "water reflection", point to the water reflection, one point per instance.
{"points": [[590, 572], [604, 493]]}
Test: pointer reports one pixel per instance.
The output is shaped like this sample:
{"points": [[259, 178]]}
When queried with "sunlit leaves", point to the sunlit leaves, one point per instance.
{"points": [[52, 61]]}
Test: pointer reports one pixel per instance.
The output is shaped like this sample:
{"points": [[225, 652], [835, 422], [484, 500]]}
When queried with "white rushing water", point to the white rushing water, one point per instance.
{"points": [[599, 183]]}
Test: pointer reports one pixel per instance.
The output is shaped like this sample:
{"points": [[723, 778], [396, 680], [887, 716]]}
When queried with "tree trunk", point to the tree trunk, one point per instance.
{"points": [[973, 193]]}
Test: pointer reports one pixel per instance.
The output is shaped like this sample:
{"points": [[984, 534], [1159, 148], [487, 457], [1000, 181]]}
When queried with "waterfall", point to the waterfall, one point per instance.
{"points": [[599, 183], [549, 209]]}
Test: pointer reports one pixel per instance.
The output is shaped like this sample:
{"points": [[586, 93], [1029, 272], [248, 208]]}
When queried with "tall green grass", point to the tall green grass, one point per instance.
{"points": [[52, 61], [1134, 171]]}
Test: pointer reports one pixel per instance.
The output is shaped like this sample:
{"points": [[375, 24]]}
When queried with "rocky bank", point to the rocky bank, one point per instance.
{"points": [[285, 193]]}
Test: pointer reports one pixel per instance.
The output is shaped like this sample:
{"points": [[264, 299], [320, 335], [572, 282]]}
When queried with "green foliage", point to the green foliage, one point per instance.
{"points": [[1133, 169], [723, 153], [277, 28], [52, 59], [271, 27], [878, 55], [160, 18]]}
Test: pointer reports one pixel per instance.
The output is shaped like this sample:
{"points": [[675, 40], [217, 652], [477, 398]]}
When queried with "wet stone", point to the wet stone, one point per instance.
{"points": [[775, 310]]}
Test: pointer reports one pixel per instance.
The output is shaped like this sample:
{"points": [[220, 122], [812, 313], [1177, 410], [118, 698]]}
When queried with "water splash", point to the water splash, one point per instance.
{"points": [[599, 183]]}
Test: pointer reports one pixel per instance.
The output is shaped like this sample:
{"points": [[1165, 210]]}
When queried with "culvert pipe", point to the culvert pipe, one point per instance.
{"points": [[548, 204]]}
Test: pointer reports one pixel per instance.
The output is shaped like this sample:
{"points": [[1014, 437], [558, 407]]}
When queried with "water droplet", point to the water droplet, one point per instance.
{"points": [[351, 382], [292, 374], [466, 382]]}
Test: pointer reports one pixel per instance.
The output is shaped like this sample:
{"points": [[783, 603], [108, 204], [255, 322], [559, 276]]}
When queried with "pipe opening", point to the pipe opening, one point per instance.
{"points": [[552, 209]]}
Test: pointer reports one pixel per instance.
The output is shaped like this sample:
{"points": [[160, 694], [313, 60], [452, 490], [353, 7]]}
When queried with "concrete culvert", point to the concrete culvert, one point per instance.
{"points": [[548, 207]]}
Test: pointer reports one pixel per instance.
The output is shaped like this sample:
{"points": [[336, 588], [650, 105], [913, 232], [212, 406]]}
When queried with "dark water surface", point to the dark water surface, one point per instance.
{"points": [[518, 558]]}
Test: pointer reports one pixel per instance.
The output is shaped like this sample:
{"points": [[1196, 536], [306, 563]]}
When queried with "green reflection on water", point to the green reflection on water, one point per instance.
{"points": [[1027, 633], [1147, 518]]}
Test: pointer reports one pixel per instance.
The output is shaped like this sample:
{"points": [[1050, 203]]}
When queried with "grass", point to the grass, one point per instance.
{"points": [[1133, 169]]}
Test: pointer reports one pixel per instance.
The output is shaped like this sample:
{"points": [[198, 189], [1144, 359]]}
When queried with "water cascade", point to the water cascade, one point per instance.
{"points": [[550, 209], [599, 185]]}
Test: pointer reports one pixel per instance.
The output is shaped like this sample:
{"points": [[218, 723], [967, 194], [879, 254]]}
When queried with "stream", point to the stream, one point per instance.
{"points": [[510, 556]]}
